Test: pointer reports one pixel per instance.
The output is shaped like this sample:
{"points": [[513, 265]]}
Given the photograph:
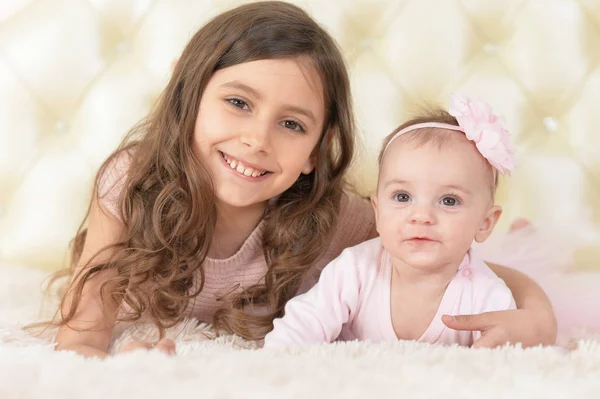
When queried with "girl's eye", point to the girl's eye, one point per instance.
{"points": [[450, 201], [401, 197], [236, 102], [293, 125]]}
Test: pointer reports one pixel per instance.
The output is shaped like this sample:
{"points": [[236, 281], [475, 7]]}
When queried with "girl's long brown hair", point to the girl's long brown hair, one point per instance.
{"points": [[167, 203]]}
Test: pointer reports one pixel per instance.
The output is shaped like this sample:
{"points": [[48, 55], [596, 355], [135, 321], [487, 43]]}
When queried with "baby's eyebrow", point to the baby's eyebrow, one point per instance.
{"points": [[451, 187], [457, 187], [394, 181]]}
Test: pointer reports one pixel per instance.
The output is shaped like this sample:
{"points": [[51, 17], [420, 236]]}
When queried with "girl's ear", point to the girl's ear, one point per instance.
{"points": [[488, 224], [311, 162], [309, 166]]}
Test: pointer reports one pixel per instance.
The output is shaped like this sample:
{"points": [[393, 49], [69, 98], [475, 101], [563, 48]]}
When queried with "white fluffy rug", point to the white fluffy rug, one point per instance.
{"points": [[232, 368]]}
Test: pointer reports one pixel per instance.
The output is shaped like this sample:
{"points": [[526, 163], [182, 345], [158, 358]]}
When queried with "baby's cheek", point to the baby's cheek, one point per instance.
{"points": [[462, 238], [391, 236], [388, 227]]}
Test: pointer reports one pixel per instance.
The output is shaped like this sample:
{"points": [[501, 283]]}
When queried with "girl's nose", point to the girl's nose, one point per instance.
{"points": [[256, 136]]}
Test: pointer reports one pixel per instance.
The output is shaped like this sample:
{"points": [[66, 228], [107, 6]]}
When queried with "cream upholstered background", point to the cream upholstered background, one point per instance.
{"points": [[76, 74]]}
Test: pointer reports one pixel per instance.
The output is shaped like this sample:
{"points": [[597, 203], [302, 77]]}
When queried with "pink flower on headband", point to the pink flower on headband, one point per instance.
{"points": [[486, 130]]}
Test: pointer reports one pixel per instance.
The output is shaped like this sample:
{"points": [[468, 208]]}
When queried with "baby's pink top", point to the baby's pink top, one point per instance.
{"points": [[351, 301], [248, 266]]}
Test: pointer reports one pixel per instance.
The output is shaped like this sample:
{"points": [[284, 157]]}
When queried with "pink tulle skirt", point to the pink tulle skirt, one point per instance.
{"points": [[547, 257]]}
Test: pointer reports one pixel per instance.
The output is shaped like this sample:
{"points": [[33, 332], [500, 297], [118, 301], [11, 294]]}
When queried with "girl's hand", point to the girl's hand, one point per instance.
{"points": [[524, 326], [164, 345]]}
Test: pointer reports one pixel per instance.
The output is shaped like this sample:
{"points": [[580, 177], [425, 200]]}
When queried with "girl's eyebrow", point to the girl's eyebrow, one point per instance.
{"points": [[302, 111], [236, 84]]}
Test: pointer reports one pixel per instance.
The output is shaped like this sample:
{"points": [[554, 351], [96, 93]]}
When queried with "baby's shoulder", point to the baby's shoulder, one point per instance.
{"points": [[480, 270], [489, 291], [362, 259], [478, 277], [366, 250]]}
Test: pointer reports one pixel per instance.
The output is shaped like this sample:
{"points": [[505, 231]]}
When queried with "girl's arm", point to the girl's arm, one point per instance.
{"points": [[490, 294], [533, 323], [90, 331]]}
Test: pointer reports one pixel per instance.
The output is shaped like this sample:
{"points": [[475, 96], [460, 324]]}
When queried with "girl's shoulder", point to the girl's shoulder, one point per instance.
{"points": [[356, 217], [356, 223], [112, 180]]}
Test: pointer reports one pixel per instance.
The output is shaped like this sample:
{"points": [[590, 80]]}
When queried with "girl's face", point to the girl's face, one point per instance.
{"points": [[257, 125]]}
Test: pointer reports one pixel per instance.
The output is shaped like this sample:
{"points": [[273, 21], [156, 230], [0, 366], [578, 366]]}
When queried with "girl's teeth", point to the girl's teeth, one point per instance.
{"points": [[240, 168]]}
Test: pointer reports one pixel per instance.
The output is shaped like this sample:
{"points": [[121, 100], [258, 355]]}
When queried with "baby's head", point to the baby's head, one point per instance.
{"points": [[435, 192]]}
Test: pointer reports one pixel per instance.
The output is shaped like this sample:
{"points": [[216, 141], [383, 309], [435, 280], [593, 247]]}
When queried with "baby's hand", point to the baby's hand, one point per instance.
{"points": [[164, 345]]}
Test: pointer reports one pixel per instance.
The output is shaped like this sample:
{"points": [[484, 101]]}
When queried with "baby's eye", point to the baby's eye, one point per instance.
{"points": [[236, 102], [401, 197], [450, 201], [293, 125]]}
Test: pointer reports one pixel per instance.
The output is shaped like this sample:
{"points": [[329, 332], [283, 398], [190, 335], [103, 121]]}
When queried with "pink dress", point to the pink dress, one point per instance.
{"points": [[351, 301]]}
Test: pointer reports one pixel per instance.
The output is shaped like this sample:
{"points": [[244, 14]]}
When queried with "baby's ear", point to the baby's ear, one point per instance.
{"points": [[374, 204], [488, 224]]}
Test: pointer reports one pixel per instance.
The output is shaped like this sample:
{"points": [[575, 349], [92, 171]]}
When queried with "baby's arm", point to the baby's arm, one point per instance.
{"points": [[318, 315]]}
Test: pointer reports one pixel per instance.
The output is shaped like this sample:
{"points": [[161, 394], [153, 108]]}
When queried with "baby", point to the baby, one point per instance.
{"points": [[435, 195]]}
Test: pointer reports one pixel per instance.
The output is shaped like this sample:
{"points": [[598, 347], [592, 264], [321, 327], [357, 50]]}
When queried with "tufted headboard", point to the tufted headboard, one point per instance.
{"points": [[75, 75]]}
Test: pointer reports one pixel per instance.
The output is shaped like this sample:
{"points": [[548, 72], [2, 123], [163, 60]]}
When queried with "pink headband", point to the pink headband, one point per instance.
{"points": [[481, 126]]}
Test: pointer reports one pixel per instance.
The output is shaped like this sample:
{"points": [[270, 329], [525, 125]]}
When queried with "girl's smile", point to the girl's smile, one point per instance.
{"points": [[243, 169]]}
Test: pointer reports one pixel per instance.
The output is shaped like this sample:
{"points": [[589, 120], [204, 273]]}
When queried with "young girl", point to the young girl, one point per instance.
{"points": [[230, 197], [435, 195]]}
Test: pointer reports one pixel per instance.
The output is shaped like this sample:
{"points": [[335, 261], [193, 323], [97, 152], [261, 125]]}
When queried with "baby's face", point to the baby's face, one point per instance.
{"points": [[431, 203]]}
